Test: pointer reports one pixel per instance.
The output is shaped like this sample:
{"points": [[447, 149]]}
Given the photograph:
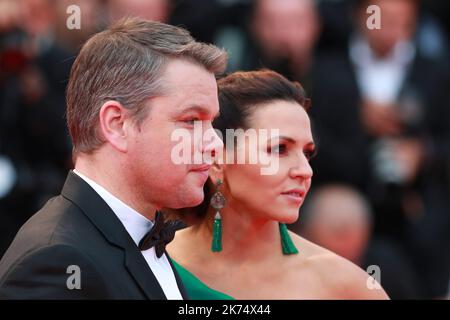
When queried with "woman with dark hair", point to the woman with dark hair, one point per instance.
{"points": [[238, 245]]}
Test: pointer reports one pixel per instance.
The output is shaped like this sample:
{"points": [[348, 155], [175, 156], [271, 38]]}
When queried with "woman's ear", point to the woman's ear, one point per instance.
{"points": [[114, 124], [216, 172]]}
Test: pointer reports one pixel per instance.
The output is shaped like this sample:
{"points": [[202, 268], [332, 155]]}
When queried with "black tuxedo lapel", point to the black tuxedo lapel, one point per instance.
{"points": [[141, 272], [100, 214]]}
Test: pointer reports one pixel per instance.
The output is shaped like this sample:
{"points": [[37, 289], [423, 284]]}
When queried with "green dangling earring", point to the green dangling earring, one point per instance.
{"points": [[217, 202], [286, 242]]}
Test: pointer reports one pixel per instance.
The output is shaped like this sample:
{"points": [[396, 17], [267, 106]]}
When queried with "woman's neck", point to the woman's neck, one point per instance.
{"points": [[246, 238]]}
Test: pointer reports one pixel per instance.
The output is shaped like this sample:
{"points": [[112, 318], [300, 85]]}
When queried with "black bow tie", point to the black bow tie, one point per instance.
{"points": [[161, 234]]}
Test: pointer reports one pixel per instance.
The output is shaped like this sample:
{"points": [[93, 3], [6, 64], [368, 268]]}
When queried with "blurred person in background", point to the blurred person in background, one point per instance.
{"points": [[286, 33], [207, 18], [280, 35], [153, 10], [95, 15], [383, 119], [34, 144], [92, 19], [433, 29], [431, 35], [202, 18], [339, 218]]}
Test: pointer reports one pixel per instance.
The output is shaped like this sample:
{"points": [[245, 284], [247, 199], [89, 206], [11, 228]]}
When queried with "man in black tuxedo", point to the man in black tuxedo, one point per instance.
{"points": [[130, 87]]}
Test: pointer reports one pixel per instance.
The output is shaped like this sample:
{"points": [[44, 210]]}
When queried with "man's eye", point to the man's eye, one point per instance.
{"points": [[191, 121]]}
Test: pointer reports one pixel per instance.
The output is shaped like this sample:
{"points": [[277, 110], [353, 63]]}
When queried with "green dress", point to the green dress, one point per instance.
{"points": [[196, 289]]}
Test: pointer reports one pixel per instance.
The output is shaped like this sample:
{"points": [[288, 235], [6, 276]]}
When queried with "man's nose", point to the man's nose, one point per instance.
{"points": [[212, 142]]}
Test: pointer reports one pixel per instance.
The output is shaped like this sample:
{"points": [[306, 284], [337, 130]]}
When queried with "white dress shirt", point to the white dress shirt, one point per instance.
{"points": [[381, 80], [137, 226], [378, 79]]}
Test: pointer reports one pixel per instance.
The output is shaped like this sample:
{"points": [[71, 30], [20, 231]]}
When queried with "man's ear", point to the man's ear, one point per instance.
{"points": [[114, 124], [216, 172]]}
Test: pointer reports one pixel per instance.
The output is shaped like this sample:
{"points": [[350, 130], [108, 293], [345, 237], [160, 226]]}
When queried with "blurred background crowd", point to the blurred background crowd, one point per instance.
{"points": [[380, 112]]}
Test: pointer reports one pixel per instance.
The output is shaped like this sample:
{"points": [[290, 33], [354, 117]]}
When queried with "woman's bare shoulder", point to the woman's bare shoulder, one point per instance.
{"points": [[308, 249], [343, 278]]}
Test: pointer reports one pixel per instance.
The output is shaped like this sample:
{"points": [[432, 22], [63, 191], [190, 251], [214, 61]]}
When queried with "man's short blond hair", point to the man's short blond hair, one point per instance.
{"points": [[125, 63]]}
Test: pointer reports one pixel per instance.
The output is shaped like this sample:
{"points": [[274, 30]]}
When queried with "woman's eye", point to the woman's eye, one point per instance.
{"points": [[279, 149], [309, 154]]}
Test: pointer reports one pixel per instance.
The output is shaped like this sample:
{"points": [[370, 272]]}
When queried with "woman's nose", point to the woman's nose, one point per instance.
{"points": [[302, 168]]}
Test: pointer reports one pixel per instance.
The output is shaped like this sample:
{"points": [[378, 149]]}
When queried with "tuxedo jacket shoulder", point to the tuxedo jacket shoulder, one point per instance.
{"points": [[75, 247]]}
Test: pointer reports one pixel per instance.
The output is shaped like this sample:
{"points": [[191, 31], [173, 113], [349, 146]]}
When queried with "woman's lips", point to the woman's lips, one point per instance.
{"points": [[295, 195]]}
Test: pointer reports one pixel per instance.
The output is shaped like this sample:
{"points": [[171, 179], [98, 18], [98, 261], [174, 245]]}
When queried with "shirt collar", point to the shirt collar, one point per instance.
{"points": [[135, 223], [362, 55]]}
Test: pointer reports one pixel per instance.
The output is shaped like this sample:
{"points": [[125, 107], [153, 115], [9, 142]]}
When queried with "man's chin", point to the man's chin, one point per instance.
{"points": [[196, 201], [192, 201]]}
